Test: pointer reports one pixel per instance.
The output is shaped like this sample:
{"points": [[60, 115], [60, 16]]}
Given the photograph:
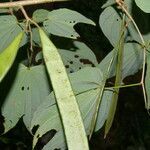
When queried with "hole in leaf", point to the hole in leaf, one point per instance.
{"points": [[71, 71], [74, 21], [79, 67], [45, 139], [34, 129], [87, 61], [93, 65], [67, 66], [71, 62], [81, 60], [117, 19], [22, 88], [76, 56], [28, 88], [71, 35]]}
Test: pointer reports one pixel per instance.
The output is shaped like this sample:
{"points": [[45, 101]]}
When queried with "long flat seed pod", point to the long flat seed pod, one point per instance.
{"points": [[66, 100], [8, 55]]}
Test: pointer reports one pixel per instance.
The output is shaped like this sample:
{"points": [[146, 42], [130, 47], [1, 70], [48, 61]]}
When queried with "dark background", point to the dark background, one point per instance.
{"points": [[131, 126]]}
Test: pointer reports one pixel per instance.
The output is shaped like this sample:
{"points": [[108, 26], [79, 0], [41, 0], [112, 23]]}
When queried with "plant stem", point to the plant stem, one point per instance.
{"points": [[135, 25], [119, 49], [121, 4], [26, 3], [29, 30], [124, 86]]}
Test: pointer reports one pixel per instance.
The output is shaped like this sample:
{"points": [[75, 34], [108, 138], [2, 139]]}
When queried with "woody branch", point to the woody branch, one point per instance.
{"points": [[26, 3]]}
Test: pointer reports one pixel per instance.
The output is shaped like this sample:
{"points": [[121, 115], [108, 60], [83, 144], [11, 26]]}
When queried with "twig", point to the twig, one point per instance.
{"points": [[26, 3], [27, 18], [29, 30], [121, 4], [10, 9], [124, 86]]}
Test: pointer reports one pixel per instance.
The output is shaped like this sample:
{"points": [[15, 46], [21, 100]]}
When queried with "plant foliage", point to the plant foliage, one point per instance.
{"points": [[67, 91]]}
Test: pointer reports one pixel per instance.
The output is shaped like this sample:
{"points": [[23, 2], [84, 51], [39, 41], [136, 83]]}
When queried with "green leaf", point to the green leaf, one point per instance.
{"points": [[60, 22], [7, 57], [141, 19], [9, 29], [47, 115], [75, 58], [102, 65], [58, 141], [104, 109], [132, 60], [40, 15], [110, 23], [13, 106], [143, 5], [108, 3], [78, 58], [26, 93], [36, 36], [86, 79], [118, 78], [147, 83], [29, 94], [68, 107]]}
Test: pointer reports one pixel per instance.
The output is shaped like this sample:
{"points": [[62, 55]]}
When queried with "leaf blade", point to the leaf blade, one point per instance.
{"points": [[9, 29], [8, 55], [60, 22], [143, 5], [26, 93], [147, 83]]}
